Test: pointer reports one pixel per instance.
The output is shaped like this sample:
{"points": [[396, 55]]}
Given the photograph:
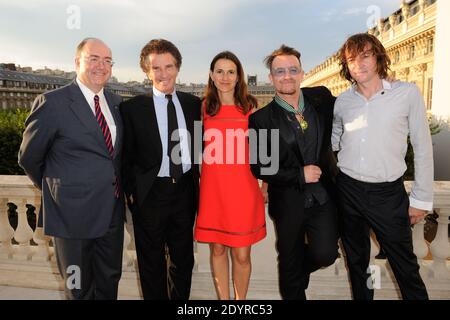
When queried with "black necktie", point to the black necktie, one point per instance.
{"points": [[175, 169]]}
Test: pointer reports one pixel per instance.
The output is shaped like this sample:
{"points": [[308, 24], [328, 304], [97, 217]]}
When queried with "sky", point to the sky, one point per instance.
{"points": [[45, 33]]}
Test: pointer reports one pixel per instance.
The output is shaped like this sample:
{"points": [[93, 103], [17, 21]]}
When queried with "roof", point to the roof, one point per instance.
{"points": [[29, 77], [9, 75]]}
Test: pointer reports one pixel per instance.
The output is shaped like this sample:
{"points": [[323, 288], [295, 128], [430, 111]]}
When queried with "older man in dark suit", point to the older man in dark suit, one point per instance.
{"points": [[160, 175], [71, 150]]}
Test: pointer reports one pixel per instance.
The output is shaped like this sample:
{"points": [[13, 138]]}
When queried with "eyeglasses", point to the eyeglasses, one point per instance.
{"points": [[363, 55], [281, 72], [95, 60]]}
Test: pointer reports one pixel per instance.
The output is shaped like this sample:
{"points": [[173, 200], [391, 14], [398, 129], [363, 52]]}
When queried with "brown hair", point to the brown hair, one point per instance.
{"points": [[355, 45], [282, 51], [242, 98], [159, 46]]}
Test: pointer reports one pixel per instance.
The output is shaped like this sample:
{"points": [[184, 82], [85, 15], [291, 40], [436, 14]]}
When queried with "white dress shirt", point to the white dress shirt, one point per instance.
{"points": [[89, 95], [160, 101], [371, 137]]}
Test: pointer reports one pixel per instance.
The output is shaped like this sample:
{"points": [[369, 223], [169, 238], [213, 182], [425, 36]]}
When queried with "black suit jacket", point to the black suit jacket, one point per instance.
{"points": [[142, 150], [290, 173]]}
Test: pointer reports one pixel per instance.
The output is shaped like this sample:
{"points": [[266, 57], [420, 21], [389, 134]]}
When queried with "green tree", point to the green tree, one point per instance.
{"points": [[12, 125], [409, 174]]}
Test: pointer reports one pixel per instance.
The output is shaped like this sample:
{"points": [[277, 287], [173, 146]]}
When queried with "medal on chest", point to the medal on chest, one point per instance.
{"points": [[301, 120]]}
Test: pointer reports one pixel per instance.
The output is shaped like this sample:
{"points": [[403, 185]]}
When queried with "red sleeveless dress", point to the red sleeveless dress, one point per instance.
{"points": [[231, 208]]}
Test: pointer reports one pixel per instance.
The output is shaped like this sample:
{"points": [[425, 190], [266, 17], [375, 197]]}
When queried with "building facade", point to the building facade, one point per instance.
{"points": [[19, 89], [263, 93], [408, 36]]}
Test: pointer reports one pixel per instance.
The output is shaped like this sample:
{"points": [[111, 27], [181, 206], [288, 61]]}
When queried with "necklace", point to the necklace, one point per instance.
{"points": [[299, 113]]}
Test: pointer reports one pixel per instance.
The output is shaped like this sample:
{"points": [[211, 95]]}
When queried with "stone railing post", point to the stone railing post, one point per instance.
{"points": [[6, 231], [23, 233], [341, 268], [42, 251], [419, 243], [440, 247], [127, 260], [421, 249]]}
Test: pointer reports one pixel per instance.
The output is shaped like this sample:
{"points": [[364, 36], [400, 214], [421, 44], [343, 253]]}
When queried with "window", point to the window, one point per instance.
{"points": [[397, 56], [430, 46], [430, 94], [412, 52], [399, 19], [413, 11], [429, 2], [1, 83]]}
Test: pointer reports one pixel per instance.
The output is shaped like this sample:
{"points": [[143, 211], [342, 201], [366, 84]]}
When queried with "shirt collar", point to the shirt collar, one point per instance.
{"points": [[160, 94], [386, 86], [88, 93]]}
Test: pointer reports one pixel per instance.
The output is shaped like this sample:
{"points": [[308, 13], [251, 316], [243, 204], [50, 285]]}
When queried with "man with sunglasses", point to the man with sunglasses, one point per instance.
{"points": [[71, 151], [301, 192], [372, 122]]}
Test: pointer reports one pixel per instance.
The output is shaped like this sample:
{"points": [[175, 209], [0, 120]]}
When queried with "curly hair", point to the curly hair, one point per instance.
{"points": [[159, 46], [355, 45]]}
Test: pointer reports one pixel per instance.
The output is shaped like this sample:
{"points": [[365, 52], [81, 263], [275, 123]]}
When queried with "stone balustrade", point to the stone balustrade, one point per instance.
{"points": [[27, 255]]}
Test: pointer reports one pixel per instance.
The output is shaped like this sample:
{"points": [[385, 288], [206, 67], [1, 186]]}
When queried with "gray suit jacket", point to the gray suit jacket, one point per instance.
{"points": [[64, 153]]}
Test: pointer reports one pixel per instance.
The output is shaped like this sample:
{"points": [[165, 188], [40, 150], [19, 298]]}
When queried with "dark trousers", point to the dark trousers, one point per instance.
{"points": [[384, 208], [296, 259], [163, 230], [91, 268]]}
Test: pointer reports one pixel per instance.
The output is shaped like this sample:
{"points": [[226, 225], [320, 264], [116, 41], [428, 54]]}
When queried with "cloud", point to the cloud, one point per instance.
{"points": [[354, 11], [35, 32]]}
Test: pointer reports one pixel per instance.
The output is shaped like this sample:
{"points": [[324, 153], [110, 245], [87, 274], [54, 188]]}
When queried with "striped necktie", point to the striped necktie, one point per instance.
{"points": [[106, 135]]}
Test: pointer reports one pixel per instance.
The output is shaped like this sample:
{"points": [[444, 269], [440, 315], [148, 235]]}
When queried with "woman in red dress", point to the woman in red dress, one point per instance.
{"points": [[231, 213]]}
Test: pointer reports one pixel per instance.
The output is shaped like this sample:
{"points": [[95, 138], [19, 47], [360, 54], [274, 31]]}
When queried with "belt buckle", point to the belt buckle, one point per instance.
{"points": [[174, 180]]}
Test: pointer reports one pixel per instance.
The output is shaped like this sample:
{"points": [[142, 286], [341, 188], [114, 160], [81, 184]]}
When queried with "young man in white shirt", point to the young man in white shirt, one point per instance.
{"points": [[372, 121]]}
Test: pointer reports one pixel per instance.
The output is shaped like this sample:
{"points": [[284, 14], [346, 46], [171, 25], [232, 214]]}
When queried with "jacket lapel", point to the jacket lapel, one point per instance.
{"points": [[152, 130], [281, 121], [315, 102], [189, 120], [113, 105], [82, 110], [187, 112]]}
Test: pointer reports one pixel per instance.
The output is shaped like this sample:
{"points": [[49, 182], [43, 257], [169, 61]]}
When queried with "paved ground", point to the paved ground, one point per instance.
{"points": [[18, 293]]}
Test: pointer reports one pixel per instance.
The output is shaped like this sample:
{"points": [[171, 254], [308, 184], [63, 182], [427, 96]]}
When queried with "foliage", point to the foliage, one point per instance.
{"points": [[12, 125], [409, 174]]}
